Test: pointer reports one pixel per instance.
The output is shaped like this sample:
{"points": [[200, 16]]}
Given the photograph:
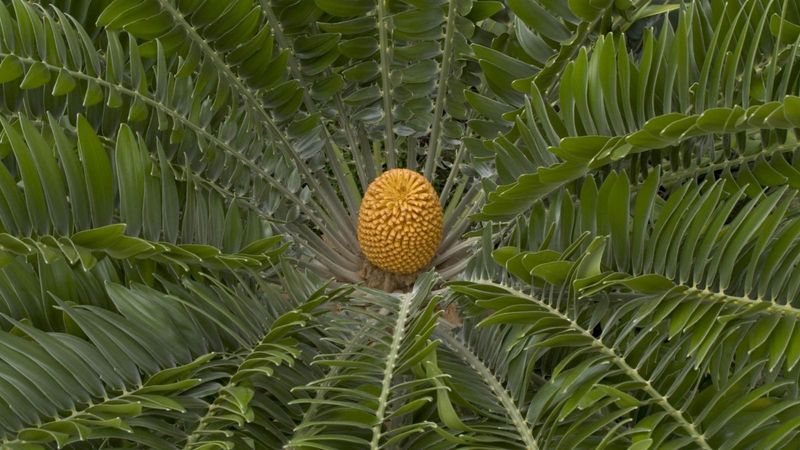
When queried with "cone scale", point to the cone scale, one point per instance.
{"points": [[400, 222]]}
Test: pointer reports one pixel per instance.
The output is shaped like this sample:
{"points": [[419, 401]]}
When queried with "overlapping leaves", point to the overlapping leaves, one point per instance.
{"points": [[692, 119], [644, 297]]}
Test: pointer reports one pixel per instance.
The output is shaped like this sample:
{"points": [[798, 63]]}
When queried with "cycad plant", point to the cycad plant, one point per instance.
{"points": [[401, 224]]}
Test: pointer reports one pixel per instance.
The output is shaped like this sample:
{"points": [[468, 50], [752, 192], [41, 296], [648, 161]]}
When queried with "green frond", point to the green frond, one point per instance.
{"points": [[164, 392], [617, 374], [198, 136], [472, 379], [234, 406], [666, 123], [383, 374], [108, 368]]}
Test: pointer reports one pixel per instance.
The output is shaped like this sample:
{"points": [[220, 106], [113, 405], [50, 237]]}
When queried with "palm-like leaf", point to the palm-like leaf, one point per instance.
{"points": [[368, 385]]}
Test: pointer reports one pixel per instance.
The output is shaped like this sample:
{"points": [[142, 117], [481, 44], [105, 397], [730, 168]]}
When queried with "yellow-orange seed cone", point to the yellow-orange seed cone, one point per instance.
{"points": [[400, 222]]}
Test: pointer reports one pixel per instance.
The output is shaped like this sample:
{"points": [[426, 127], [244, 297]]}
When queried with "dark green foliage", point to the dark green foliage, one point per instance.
{"points": [[180, 182]]}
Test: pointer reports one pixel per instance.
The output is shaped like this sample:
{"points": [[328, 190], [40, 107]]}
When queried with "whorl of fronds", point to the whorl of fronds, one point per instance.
{"points": [[179, 177]]}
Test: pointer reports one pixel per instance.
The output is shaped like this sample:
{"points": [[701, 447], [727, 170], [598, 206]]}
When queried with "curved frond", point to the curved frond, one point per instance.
{"points": [[724, 124], [236, 403], [110, 371], [617, 375], [380, 377], [466, 384]]}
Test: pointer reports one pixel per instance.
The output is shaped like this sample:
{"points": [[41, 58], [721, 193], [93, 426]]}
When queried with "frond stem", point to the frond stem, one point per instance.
{"points": [[451, 178], [694, 172], [336, 162], [388, 122], [365, 164], [522, 426], [255, 105], [660, 399], [388, 373], [781, 309], [434, 150]]}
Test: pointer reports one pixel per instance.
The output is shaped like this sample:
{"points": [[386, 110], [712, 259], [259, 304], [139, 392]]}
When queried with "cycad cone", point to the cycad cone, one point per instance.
{"points": [[400, 222]]}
